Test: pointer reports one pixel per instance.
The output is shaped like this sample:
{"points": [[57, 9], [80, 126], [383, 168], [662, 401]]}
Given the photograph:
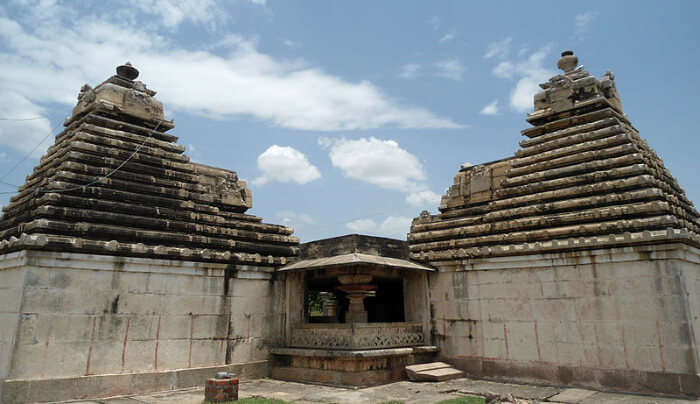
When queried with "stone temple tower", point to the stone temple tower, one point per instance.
{"points": [[126, 267], [574, 261]]}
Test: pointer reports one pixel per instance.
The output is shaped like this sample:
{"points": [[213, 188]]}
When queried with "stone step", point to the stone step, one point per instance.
{"points": [[432, 372]]}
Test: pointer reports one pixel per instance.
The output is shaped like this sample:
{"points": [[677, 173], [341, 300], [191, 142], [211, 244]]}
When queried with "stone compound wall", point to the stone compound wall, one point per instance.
{"points": [[139, 324], [623, 319]]}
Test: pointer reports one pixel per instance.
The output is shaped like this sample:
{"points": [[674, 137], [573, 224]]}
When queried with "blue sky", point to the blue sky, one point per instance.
{"points": [[348, 116]]}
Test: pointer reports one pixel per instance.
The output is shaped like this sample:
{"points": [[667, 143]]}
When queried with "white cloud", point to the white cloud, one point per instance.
{"points": [[19, 129], [396, 226], [285, 164], [362, 225], [529, 72], [379, 162], [259, 2], [450, 69], [174, 12], [490, 108], [532, 72], [289, 218], [410, 71], [422, 199], [392, 226], [448, 36], [583, 22], [499, 49], [504, 70], [383, 163], [290, 43], [48, 62]]}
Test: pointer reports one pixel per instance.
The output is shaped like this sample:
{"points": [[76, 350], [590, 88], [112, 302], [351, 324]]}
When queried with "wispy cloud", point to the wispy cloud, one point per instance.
{"points": [[499, 49], [392, 226], [450, 69], [434, 22], [529, 70], [490, 108], [505, 69], [173, 12], [583, 23], [410, 71], [448, 36], [39, 67], [285, 164]]}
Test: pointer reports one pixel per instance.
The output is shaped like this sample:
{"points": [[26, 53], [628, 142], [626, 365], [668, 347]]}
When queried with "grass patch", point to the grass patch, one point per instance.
{"points": [[464, 400]]}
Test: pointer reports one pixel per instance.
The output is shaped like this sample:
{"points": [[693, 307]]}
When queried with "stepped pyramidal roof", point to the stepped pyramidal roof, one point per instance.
{"points": [[116, 183], [582, 179]]}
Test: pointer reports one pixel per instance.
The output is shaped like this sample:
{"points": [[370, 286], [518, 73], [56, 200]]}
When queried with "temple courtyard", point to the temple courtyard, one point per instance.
{"points": [[401, 392]]}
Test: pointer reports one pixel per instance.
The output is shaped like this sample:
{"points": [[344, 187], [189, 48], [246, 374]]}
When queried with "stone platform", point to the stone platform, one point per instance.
{"points": [[357, 368]]}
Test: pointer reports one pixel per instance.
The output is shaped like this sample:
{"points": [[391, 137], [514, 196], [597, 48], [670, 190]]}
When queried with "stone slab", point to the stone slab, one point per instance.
{"points": [[427, 366], [572, 396], [437, 375]]}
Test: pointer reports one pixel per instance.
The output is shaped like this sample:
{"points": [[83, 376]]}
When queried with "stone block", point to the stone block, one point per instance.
{"points": [[250, 288], [8, 330], [208, 352], [522, 343], [210, 326], [106, 358], [612, 357], [494, 348], [641, 333], [175, 326], [10, 299], [553, 309], [173, 354], [140, 356], [678, 360], [144, 327], [569, 354], [493, 330], [12, 278]]}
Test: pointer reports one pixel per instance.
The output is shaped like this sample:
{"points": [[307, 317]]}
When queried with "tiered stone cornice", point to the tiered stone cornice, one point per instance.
{"points": [[584, 178], [83, 197]]}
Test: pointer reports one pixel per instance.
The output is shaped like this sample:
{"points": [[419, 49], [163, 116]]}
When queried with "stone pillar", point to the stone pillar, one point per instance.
{"points": [[357, 288]]}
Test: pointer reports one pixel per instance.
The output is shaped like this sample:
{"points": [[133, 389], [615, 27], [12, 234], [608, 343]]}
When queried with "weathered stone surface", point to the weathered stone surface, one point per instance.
{"points": [[115, 183], [583, 172]]}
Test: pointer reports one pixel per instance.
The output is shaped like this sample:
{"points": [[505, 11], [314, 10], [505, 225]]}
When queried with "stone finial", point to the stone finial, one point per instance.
{"points": [[127, 71], [568, 61]]}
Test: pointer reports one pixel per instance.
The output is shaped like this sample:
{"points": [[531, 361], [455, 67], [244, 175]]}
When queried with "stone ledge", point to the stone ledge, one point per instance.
{"points": [[618, 380], [369, 353], [97, 262], [100, 386], [671, 250]]}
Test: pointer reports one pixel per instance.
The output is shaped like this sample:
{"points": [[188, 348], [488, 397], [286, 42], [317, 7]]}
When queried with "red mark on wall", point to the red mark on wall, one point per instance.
{"points": [[537, 341], [92, 341], [126, 338], [155, 360], [505, 338], [661, 345], [189, 357]]}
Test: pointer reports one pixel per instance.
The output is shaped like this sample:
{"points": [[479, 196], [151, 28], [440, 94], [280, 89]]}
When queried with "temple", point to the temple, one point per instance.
{"points": [[127, 268]]}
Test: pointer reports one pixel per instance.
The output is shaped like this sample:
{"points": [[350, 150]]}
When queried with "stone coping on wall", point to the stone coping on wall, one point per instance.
{"points": [[363, 353], [671, 250], [109, 385], [73, 261]]}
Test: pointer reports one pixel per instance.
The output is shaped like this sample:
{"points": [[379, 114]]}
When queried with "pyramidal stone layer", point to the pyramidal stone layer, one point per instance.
{"points": [[116, 183], [582, 179]]}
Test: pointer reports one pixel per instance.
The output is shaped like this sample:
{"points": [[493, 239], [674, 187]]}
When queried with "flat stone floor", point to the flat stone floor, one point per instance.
{"points": [[409, 392]]}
